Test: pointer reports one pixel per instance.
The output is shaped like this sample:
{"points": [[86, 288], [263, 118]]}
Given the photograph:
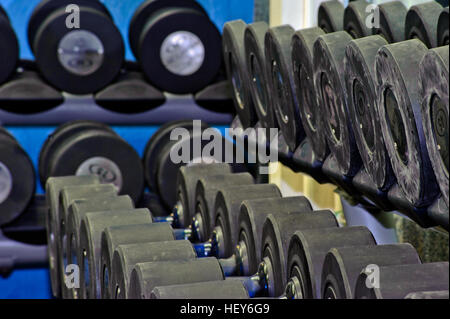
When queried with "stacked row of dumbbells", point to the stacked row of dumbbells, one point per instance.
{"points": [[370, 93], [226, 238]]}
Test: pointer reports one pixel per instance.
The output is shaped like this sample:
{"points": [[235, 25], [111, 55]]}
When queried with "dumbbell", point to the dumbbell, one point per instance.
{"points": [[329, 53], [85, 148], [17, 178], [443, 28], [229, 289], [342, 266], [255, 59], [279, 68], [422, 23], [303, 67], [68, 196], [237, 72], [76, 213], [178, 47], [89, 251], [361, 88], [78, 59], [53, 189], [398, 106], [433, 87], [398, 281], [161, 169], [330, 16], [276, 231], [9, 55], [307, 251]]}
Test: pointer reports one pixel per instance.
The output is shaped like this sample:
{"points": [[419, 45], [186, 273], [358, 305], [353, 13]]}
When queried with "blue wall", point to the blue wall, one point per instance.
{"points": [[220, 12]]}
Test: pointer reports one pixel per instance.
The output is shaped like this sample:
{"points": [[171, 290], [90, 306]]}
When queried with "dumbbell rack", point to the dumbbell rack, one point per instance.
{"points": [[360, 187]]}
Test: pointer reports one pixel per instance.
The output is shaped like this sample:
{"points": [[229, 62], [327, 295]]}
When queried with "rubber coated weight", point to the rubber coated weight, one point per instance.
{"points": [[421, 23], [392, 21], [254, 38], [17, 178], [281, 84], [205, 196], [47, 7], [252, 215], [112, 237], [179, 49], [224, 289], [343, 265], [277, 232], [185, 190], [433, 85], [83, 60], [127, 256], [355, 16], [302, 60], [443, 28], [237, 72], [69, 195], [9, 54], [398, 103], [361, 101], [183, 152], [76, 214], [329, 53], [4, 14], [89, 253], [307, 251], [146, 9], [330, 17], [395, 281], [154, 148], [146, 276], [226, 213], [53, 188], [96, 151], [56, 140]]}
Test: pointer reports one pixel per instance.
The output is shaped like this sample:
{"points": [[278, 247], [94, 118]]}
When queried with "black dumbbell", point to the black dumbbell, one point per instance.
{"points": [[342, 266], [229, 289], [9, 55], [89, 251], [361, 91], [433, 85], [17, 178], [392, 16], [127, 256], [255, 54], [146, 276], [237, 72], [303, 65], [205, 195], [187, 178], [53, 189], [307, 250], [355, 16], [85, 148], [68, 196], [78, 59], [330, 16], [280, 75], [76, 213], [397, 281], [443, 28], [329, 53], [398, 104], [112, 237], [422, 23], [177, 45]]}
